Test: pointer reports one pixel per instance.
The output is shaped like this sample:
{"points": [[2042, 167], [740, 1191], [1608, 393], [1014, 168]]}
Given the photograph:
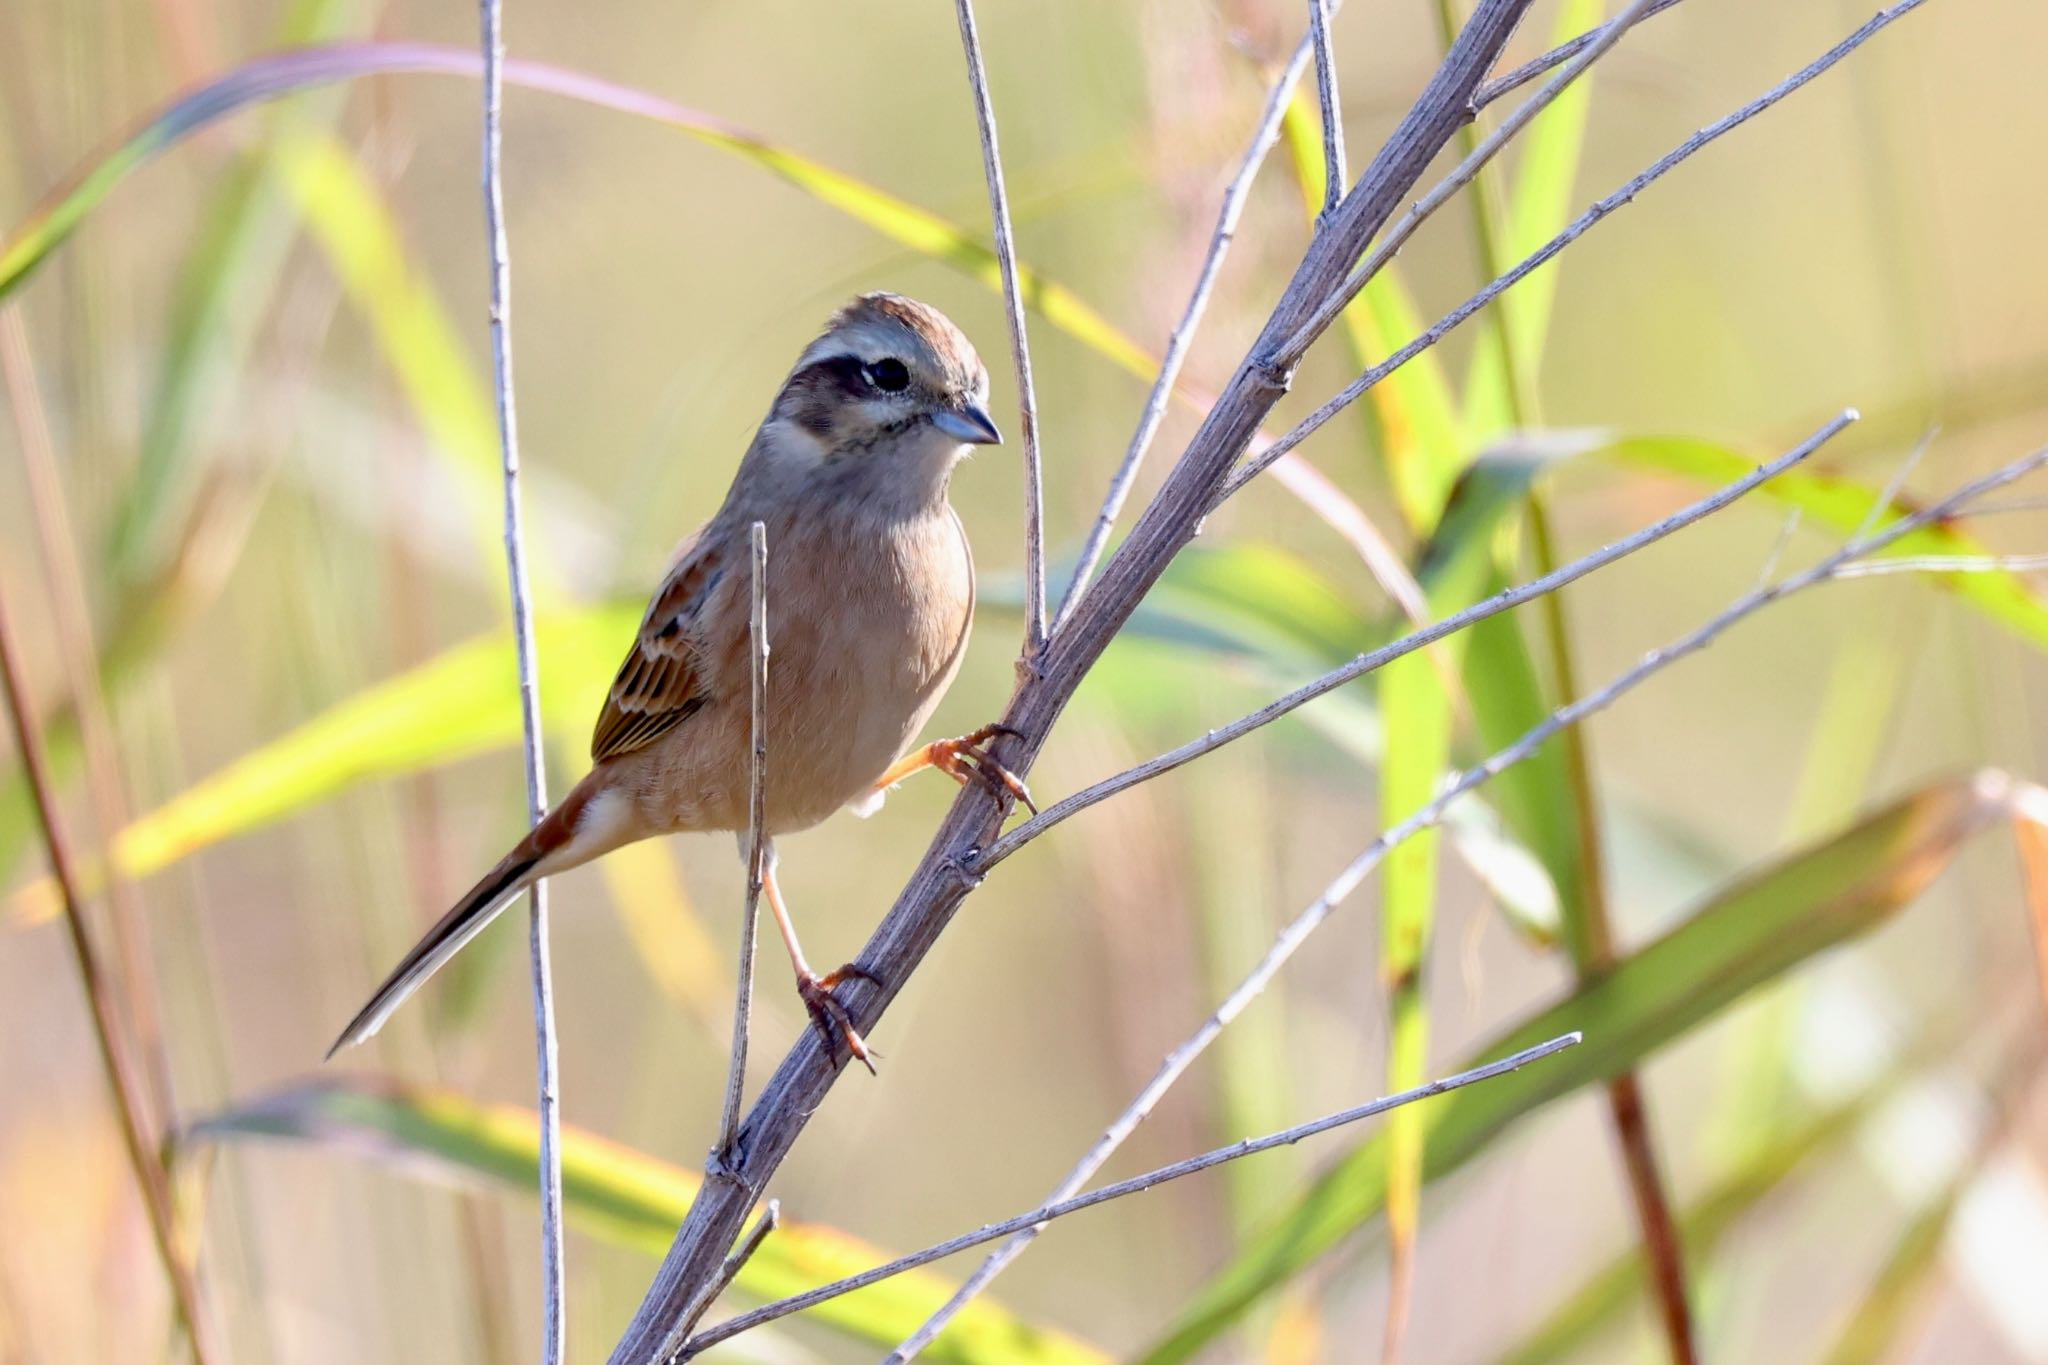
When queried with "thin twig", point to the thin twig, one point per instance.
{"points": [[1046, 1213], [757, 847], [1347, 881], [1460, 176], [2011, 505], [1947, 564], [151, 1178], [1577, 229], [1556, 57], [1334, 178], [1228, 212], [553, 1331], [1182, 1057], [1378, 658], [1888, 497], [1020, 348], [771, 1219]]}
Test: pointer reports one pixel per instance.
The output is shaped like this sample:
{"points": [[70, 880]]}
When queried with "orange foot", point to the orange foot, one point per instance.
{"points": [[967, 758], [830, 1018]]}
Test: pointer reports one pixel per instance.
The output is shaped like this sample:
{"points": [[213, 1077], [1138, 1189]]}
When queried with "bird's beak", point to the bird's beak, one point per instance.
{"points": [[970, 424]]}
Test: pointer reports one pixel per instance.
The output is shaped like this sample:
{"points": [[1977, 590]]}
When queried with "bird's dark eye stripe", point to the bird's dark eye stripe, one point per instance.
{"points": [[843, 372]]}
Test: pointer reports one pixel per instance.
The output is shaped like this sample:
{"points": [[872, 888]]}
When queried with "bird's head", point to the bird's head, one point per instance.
{"points": [[890, 378]]}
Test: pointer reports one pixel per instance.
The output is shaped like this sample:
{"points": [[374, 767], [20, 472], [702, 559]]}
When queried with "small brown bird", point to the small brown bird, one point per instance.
{"points": [[870, 597]]}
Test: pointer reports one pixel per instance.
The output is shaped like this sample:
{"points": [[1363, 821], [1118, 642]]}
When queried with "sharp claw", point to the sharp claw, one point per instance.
{"points": [[997, 776], [830, 1018]]}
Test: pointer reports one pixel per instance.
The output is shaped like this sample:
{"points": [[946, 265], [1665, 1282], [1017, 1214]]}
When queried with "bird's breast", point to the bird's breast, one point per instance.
{"points": [[867, 624]]}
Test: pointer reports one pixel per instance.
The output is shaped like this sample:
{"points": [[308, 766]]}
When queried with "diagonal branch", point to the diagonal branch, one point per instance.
{"points": [[1557, 56], [1037, 1218], [1020, 348], [1578, 228], [1178, 1061], [1298, 930], [1182, 338], [1463, 174], [545, 1059], [1375, 659]]}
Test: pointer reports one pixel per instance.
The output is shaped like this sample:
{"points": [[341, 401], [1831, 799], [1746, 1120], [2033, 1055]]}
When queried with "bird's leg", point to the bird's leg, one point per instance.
{"points": [[963, 759], [827, 1014]]}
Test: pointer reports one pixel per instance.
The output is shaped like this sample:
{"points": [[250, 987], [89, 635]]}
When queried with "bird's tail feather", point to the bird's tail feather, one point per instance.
{"points": [[447, 938], [561, 841]]}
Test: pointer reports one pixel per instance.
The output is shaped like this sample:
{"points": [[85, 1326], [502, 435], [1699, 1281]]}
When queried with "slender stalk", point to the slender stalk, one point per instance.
{"points": [[1353, 875], [1020, 347], [1463, 174], [1578, 228], [1334, 178], [126, 1086], [1549, 61], [771, 1219], [1378, 658], [1182, 1057], [1228, 212], [757, 848], [1045, 1213], [553, 1328], [1590, 940], [105, 784]]}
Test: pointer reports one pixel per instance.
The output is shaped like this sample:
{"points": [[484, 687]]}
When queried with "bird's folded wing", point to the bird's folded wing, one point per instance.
{"points": [[662, 682]]}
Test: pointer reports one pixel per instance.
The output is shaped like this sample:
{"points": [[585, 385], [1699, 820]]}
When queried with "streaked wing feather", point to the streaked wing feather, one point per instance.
{"points": [[661, 683]]}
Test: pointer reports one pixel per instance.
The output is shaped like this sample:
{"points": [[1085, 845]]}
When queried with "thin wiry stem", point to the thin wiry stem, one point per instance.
{"points": [[1947, 564], [1347, 881], [1228, 212], [1315, 421], [1549, 61], [771, 1219], [1020, 347], [151, 1178], [1334, 178], [1378, 658], [1460, 176], [553, 1331], [1178, 1061], [757, 846], [71, 614], [1045, 1213]]}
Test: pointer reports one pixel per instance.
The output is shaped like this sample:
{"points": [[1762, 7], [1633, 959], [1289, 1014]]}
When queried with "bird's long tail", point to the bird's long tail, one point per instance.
{"points": [[567, 837]]}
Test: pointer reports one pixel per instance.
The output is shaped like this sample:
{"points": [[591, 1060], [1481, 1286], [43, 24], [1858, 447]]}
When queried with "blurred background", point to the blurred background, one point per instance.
{"points": [[248, 547]]}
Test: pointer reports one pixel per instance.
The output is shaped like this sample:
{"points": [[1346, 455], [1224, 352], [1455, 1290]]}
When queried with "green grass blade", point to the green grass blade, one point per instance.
{"points": [[455, 705], [626, 1197], [1414, 410], [347, 216], [1842, 505], [1767, 925], [1568, 1330], [1539, 203]]}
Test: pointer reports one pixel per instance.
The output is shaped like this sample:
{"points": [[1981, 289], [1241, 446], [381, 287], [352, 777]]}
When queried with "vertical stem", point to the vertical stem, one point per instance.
{"points": [[1589, 933], [1591, 941], [72, 616], [150, 1176], [1020, 349], [552, 1326], [1334, 178], [757, 850]]}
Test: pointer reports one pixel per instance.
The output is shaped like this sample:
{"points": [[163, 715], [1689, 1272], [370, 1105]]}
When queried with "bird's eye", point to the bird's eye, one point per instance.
{"points": [[890, 374]]}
